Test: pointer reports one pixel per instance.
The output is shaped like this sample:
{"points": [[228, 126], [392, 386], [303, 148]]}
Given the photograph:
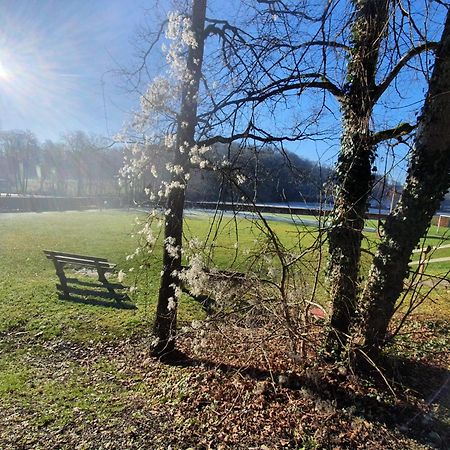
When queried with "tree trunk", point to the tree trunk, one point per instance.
{"points": [[166, 315], [427, 182], [353, 170], [80, 185]]}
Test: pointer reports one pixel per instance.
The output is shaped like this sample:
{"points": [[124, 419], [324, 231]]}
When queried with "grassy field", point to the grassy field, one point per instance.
{"points": [[79, 375], [29, 299]]}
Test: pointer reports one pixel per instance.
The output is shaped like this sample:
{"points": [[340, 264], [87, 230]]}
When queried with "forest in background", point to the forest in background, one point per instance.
{"points": [[82, 164]]}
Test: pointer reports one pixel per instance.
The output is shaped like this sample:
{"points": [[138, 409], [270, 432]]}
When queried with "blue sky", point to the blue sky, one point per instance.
{"points": [[59, 60]]}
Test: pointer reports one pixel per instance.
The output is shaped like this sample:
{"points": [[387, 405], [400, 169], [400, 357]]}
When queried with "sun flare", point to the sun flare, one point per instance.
{"points": [[5, 74]]}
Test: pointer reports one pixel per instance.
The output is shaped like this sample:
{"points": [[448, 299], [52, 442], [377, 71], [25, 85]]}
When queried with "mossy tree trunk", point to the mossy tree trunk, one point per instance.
{"points": [[166, 315], [353, 171], [427, 182]]}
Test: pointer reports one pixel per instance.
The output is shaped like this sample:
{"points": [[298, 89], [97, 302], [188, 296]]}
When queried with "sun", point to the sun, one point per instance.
{"points": [[5, 74]]}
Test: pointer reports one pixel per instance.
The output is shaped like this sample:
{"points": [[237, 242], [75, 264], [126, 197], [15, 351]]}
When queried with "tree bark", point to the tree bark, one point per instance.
{"points": [[353, 170], [427, 182], [166, 319]]}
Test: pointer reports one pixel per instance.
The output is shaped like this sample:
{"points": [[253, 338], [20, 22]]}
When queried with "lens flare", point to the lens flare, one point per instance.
{"points": [[5, 74]]}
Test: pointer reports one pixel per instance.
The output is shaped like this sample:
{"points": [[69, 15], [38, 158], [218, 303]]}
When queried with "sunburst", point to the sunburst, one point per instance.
{"points": [[5, 74]]}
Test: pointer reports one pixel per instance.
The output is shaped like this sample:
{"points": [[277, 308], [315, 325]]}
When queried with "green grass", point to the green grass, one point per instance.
{"points": [[44, 371], [29, 302]]}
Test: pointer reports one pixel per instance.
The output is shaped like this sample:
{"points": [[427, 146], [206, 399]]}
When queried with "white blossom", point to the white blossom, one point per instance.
{"points": [[171, 304], [240, 179], [158, 96], [195, 243], [195, 276], [176, 169], [172, 185], [172, 249], [170, 140]]}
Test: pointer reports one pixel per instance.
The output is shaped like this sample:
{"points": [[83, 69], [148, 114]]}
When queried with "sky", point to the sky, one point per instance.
{"points": [[59, 64]]}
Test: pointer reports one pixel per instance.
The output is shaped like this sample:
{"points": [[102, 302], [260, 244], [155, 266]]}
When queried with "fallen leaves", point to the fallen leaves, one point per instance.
{"points": [[246, 395]]}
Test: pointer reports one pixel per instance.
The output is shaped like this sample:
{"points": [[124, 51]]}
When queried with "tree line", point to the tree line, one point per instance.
{"points": [[265, 176], [80, 164]]}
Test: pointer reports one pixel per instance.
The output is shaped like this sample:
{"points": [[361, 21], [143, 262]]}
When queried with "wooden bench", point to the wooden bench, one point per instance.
{"points": [[101, 265]]}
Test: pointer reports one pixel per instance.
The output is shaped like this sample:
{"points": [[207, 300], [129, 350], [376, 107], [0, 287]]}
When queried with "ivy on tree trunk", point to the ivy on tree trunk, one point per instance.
{"points": [[427, 182], [353, 171]]}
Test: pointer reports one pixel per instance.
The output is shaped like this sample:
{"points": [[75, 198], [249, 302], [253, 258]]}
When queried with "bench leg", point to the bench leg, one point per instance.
{"points": [[59, 267], [102, 278]]}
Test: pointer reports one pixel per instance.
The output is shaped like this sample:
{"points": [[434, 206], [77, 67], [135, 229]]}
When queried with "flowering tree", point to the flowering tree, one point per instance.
{"points": [[192, 37], [170, 104]]}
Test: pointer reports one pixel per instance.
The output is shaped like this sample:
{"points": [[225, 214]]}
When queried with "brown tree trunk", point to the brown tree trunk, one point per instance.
{"points": [[166, 319], [353, 170], [427, 182]]}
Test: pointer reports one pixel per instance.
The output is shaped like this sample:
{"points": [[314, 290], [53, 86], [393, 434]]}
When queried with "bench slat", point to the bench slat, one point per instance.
{"points": [[82, 262], [73, 255]]}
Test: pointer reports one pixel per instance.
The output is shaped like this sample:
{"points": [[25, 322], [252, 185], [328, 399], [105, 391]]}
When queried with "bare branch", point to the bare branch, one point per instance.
{"points": [[321, 82], [413, 52], [393, 133], [282, 86], [278, 7], [245, 135]]}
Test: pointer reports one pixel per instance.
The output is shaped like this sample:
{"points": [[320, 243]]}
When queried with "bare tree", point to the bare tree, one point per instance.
{"points": [[353, 170], [385, 37], [20, 149], [427, 183], [358, 61], [80, 148]]}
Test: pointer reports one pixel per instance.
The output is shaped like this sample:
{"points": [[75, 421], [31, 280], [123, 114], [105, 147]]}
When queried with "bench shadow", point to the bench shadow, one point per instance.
{"points": [[123, 304], [402, 416], [92, 284], [437, 236]]}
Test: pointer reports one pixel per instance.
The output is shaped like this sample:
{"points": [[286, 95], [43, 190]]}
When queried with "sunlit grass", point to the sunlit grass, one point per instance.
{"points": [[38, 331], [29, 302]]}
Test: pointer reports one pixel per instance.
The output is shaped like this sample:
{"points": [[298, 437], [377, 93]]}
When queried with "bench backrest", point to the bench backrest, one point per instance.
{"points": [[51, 254], [82, 260]]}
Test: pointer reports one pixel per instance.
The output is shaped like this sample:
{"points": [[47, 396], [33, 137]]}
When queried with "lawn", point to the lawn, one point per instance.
{"points": [[29, 301], [79, 375]]}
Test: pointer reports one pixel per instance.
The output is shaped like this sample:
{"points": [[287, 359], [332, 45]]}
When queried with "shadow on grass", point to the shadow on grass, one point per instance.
{"points": [[123, 304], [445, 237], [421, 378], [430, 384]]}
